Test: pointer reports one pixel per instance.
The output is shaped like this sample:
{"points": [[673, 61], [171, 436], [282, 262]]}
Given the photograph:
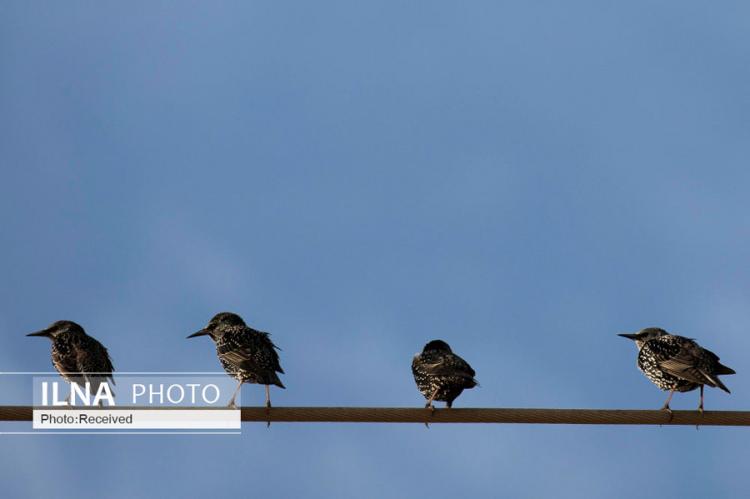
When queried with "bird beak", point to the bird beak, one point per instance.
{"points": [[202, 332], [43, 332], [628, 336]]}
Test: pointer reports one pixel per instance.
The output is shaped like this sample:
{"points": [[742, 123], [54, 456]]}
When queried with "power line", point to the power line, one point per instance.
{"points": [[420, 415]]}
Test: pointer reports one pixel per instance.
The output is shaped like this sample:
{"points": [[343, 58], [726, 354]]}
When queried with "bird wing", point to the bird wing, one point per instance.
{"points": [[689, 364], [241, 356], [259, 355], [448, 365], [66, 365], [93, 357]]}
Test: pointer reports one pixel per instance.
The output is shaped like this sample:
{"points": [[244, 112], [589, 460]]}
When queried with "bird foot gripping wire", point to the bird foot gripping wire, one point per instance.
{"points": [[431, 407], [668, 411], [700, 411]]}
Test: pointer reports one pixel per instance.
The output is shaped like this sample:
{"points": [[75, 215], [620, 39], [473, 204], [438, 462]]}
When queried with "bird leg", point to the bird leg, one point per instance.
{"points": [[665, 407], [268, 406], [232, 405], [429, 405], [700, 408]]}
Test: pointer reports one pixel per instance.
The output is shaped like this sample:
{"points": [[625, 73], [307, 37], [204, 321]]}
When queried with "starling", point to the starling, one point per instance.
{"points": [[248, 355], [676, 363], [441, 374], [77, 356]]}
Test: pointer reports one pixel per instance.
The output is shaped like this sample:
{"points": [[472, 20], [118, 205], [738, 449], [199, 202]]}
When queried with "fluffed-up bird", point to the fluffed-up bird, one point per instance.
{"points": [[77, 356], [248, 355], [676, 363], [440, 374]]}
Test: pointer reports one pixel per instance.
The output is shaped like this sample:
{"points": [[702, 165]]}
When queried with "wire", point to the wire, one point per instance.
{"points": [[420, 415]]}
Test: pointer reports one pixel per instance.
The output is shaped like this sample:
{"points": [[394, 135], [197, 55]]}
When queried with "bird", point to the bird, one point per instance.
{"points": [[440, 374], [676, 363], [247, 355], [77, 356]]}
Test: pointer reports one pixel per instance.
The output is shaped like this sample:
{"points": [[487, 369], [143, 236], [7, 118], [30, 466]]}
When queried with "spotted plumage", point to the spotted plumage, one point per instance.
{"points": [[248, 355], [440, 374], [77, 356], [677, 364]]}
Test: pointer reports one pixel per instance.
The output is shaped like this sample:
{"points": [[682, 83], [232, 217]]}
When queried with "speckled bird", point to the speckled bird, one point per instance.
{"points": [[676, 363], [440, 374], [77, 356], [248, 355]]}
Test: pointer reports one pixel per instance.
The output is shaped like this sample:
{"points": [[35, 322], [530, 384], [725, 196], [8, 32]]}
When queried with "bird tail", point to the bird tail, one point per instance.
{"points": [[722, 369], [717, 383], [276, 381]]}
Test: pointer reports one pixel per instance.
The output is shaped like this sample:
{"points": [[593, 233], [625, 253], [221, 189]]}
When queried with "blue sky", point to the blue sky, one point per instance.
{"points": [[523, 180]]}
